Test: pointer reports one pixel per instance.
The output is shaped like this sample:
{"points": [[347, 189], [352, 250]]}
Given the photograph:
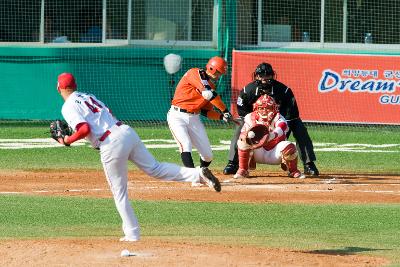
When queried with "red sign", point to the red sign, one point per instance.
{"points": [[331, 87]]}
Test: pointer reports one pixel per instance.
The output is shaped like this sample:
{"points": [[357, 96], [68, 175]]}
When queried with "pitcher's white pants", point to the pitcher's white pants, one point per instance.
{"points": [[124, 144]]}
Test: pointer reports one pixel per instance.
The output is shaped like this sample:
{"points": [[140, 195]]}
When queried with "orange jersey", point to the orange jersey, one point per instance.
{"points": [[188, 92]]}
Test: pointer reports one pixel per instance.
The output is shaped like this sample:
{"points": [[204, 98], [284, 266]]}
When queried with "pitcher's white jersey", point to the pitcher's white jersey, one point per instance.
{"points": [[118, 143], [83, 107]]}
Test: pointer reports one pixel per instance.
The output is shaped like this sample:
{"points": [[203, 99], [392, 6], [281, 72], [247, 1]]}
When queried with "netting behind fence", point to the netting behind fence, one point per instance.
{"points": [[116, 50]]}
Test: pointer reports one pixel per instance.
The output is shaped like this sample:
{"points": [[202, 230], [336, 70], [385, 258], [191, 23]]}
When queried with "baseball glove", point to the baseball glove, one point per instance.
{"points": [[257, 136], [59, 129]]}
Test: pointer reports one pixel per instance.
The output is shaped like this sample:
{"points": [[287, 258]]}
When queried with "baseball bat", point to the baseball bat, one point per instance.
{"points": [[235, 121]]}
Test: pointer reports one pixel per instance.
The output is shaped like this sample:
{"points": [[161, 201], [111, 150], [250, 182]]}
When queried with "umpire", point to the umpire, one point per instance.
{"points": [[264, 83]]}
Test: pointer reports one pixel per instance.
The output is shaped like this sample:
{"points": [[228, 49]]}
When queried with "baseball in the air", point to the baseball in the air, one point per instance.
{"points": [[172, 63], [251, 134], [125, 253]]}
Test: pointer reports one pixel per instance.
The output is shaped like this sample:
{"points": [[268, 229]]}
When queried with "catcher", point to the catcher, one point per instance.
{"points": [[263, 140]]}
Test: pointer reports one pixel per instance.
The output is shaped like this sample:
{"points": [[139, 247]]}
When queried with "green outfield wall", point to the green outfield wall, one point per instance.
{"points": [[132, 81]]}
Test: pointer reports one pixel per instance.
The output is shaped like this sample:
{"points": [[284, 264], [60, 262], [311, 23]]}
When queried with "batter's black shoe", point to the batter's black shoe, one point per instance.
{"points": [[208, 178], [231, 168], [311, 169]]}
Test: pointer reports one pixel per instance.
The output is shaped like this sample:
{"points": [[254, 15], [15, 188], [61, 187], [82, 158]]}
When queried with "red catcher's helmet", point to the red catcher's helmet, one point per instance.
{"points": [[266, 107], [216, 64], [66, 80]]}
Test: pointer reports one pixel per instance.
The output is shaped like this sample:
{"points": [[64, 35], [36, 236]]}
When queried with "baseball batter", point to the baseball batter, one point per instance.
{"points": [[276, 149], [194, 95], [118, 143]]}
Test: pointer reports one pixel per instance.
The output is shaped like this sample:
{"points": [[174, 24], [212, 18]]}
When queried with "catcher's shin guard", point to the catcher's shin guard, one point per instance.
{"points": [[289, 158], [244, 156]]}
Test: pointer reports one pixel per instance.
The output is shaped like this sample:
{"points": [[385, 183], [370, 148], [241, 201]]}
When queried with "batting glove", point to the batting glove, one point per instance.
{"points": [[227, 116]]}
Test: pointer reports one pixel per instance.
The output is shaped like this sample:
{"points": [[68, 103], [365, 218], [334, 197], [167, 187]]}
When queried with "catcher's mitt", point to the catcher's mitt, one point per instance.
{"points": [[257, 136], [59, 129]]}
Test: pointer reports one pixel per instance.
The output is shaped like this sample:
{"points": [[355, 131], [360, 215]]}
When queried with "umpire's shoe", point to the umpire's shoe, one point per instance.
{"points": [[311, 169], [209, 179], [231, 168]]}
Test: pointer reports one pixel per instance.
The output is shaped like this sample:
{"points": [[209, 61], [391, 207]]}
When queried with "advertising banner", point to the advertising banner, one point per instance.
{"points": [[330, 87]]}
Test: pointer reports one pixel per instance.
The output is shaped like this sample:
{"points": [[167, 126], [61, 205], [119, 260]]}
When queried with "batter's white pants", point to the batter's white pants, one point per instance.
{"points": [[273, 156], [124, 144], [188, 129]]}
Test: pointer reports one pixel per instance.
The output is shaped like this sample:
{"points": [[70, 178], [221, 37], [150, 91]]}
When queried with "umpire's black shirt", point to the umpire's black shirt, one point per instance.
{"points": [[282, 95]]}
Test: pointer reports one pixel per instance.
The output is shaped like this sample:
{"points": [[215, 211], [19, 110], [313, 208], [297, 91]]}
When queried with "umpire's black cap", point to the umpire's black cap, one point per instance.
{"points": [[264, 69]]}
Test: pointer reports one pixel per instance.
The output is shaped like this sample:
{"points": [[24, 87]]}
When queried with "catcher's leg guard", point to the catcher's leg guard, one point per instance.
{"points": [[244, 156], [289, 159]]}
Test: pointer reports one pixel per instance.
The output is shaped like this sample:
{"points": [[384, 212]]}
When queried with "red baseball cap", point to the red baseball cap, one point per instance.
{"points": [[66, 80]]}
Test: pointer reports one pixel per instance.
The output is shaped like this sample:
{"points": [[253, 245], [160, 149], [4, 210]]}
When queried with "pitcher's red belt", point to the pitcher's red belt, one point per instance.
{"points": [[108, 132]]}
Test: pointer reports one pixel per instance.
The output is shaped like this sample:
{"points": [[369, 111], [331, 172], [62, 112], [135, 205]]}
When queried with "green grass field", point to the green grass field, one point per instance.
{"points": [[343, 228], [341, 149]]}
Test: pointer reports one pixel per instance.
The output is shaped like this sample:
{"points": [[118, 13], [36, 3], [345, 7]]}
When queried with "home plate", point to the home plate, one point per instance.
{"points": [[330, 181]]}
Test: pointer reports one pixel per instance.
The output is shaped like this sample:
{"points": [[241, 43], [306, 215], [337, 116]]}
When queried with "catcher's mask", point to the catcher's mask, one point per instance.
{"points": [[266, 108], [216, 64]]}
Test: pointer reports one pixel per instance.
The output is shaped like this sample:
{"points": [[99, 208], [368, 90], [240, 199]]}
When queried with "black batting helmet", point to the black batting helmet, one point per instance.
{"points": [[264, 69]]}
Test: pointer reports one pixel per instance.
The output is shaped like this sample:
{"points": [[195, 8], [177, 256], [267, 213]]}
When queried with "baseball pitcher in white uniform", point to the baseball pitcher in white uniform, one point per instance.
{"points": [[91, 119]]}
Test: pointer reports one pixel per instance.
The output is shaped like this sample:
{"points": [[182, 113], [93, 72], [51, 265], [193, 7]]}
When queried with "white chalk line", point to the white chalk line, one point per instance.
{"points": [[52, 191], [223, 145], [268, 187]]}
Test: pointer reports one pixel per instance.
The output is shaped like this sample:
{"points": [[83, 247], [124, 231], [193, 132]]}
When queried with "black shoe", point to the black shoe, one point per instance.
{"points": [[206, 177], [231, 168], [311, 169]]}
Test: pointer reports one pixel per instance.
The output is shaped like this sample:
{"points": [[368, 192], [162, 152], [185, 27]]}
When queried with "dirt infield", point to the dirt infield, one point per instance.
{"points": [[168, 252]]}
